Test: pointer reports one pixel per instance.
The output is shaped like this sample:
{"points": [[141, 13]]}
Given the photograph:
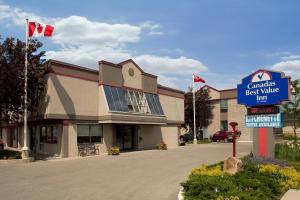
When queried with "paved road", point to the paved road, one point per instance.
{"points": [[140, 175]]}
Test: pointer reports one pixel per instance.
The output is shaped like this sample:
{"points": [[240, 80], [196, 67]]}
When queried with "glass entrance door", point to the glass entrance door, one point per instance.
{"points": [[125, 137]]}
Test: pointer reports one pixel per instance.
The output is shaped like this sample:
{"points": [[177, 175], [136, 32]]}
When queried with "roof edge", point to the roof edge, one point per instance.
{"points": [[109, 63], [170, 89], [71, 66]]}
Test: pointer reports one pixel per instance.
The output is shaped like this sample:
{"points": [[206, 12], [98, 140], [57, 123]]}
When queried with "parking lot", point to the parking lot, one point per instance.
{"points": [[140, 175]]}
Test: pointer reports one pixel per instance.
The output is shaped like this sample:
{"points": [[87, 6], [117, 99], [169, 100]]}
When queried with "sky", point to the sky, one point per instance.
{"points": [[221, 41]]}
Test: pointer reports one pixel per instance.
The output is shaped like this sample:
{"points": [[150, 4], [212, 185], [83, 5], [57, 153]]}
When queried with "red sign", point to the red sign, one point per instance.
{"points": [[263, 110]]}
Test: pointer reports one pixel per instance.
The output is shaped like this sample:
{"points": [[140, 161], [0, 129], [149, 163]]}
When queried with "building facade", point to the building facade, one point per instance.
{"points": [[117, 105], [226, 110]]}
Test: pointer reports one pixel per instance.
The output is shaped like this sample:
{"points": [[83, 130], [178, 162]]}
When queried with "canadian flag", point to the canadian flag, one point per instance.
{"points": [[36, 29], [198, 79]]}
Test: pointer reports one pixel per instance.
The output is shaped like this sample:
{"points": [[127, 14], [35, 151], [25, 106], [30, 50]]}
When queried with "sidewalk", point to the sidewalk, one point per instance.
{"points": [[291, 195]]}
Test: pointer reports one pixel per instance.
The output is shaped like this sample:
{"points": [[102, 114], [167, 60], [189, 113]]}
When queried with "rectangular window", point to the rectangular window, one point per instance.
{"points": [[89, 133], [224, 105], [154, 104], [49, 134], [224, 125]]}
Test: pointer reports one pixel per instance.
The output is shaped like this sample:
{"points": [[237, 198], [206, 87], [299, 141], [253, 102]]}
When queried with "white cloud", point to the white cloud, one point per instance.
{"points": [[88, 56], [167, 65], [18, 16], [291, 57], [168, 81], [290, 67], [153, 28], [84, 42], [77, 30]]}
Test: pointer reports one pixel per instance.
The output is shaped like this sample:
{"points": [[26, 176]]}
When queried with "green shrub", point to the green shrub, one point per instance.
{"points": [[10, 154], [254, 182], [113, 150], [290, 137], [288, 151], [162, 146]]}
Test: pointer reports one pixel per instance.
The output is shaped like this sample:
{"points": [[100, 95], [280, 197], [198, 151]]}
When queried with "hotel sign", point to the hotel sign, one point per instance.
{"points": [[263, 87], [259, 121], [262, 110]]}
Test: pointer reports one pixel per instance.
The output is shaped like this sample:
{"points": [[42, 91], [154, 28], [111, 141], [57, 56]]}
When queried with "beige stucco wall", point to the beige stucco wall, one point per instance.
{"points": [[170, 135], [215, 124], [103, 106], [214, 94], [72, 140], [134, 81], [67, 95], [110, 75], [149, 136], [149, 84], [173, 107], [107, 138], [237, 113]]}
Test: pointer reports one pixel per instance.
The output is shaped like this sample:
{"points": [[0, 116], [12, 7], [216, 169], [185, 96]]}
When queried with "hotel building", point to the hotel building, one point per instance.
{"points": [[117, 105]]}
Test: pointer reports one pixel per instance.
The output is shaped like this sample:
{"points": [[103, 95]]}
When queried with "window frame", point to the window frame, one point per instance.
{"points": [[223, 108], [221, 125], [44, 139], [132, 101], [90, 136]]}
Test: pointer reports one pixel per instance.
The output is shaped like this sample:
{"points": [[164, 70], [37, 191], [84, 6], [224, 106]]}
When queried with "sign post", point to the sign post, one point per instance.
{"points": [[261, 92], [234, 132]]}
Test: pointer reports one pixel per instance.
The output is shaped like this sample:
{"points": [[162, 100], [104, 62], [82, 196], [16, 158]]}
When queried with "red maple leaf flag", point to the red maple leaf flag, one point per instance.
{"points": [[198, 79], [36, 29]]}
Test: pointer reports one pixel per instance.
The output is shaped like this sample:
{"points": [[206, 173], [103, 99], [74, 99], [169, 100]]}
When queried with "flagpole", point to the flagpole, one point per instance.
{"points": [[25, 149], [195, 137]]}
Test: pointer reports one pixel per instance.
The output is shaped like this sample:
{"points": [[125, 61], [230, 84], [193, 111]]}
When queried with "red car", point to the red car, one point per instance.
{"points": [[225, 136], [1, 145]]}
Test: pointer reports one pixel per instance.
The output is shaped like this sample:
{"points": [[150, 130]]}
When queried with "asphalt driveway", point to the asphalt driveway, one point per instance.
{"points": [[143, 175]]}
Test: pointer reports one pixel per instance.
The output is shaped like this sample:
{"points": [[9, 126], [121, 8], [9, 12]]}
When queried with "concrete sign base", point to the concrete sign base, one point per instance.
{"points": [[264, 142]]}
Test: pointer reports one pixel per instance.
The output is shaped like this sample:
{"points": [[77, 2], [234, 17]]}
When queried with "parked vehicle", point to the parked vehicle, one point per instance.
{"points": [[189, 136], [1, 145], [226, 136]]}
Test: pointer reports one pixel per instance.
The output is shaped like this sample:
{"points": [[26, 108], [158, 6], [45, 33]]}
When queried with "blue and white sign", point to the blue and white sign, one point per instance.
{"points": [[260, 121], [263, 87]]}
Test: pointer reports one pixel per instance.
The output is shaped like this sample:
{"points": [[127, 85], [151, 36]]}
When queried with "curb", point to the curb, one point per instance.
{"points": [[180, 194]]}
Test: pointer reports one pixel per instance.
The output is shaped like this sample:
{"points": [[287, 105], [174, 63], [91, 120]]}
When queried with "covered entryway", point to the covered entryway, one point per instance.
{"points": [[125, 137]]}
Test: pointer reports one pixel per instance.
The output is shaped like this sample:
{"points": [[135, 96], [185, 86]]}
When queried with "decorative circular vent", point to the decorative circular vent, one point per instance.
{"points": [[131, 72]]}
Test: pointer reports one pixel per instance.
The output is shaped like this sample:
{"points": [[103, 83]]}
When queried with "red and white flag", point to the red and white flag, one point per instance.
{"points": [[36, 29], [198, 79]]}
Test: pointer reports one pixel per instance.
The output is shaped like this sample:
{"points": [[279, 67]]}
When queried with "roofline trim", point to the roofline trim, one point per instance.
{"points": [[137, 66], [72, 66]]}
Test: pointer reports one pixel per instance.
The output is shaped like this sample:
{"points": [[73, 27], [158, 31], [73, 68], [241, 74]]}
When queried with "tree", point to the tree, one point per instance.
{"points": [[12, 62], [203, 108], [292, 108]]}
